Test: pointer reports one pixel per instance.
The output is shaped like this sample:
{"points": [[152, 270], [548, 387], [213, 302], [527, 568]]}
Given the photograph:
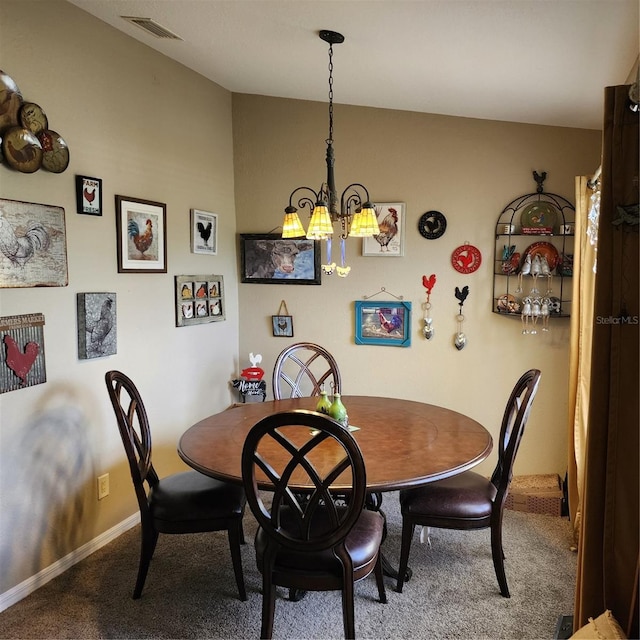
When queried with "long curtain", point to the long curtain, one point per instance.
{"points": [[608, 554], [584, 258]]}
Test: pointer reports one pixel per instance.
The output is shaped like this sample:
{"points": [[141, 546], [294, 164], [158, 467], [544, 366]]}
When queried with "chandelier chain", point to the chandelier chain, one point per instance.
{"points": [[330, 140]]}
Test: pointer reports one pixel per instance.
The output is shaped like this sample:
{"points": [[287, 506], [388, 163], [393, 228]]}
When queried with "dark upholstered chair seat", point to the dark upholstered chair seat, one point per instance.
{"points": [[193, 497], [360, 543], [470, 501], [310, 541], [468, 496], [187, 502]]}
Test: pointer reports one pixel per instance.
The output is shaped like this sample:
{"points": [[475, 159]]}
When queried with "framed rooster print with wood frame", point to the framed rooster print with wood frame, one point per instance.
{"points": [[389, 243], [204, 232], [141, 235], [89, 195], [383, 323]]}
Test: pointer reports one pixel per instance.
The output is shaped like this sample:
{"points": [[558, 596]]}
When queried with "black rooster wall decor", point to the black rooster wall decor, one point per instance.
{"points": [[205, 232]]}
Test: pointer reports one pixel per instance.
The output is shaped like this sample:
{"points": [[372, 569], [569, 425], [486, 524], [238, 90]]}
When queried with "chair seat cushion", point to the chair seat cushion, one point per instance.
{"points": [[192, 496], [465, 496], [362, 543]]}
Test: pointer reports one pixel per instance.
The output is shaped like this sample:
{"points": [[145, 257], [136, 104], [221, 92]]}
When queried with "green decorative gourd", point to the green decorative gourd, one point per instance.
{"points": [[324, 404], [338, 411]]}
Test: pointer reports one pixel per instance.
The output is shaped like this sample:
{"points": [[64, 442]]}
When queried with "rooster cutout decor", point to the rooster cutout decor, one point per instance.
{"points": [[428, 284], [22, 348], [250, 384], [466, 258], [460, 339], [96, 325]]}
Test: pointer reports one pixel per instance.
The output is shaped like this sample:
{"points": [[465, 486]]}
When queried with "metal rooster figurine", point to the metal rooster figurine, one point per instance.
{"points": [[460, 340]]}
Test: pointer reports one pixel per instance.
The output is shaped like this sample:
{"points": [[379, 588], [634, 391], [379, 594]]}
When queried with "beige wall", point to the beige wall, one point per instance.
{"points": [[467, 169], [150, 129]]}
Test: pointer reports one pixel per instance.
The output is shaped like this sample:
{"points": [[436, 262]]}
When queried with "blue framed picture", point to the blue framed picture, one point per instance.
{"points": [[383, 323]]}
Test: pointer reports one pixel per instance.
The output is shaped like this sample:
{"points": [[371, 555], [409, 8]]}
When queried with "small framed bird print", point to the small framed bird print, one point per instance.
{"points": [[389, 243], [141, 235], [89, 195], [204, 232]]}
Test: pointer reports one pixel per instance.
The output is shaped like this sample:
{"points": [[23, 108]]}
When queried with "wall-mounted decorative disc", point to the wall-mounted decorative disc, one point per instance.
{"points": [[432, 225], [466, 258]]}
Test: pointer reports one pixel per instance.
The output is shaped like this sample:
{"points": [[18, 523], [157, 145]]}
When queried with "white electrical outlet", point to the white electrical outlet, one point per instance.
{"points": [[103, 486]]}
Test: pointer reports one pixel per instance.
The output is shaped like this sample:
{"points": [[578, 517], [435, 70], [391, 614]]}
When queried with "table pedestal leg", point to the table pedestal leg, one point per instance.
{"points": [[374, 503]]}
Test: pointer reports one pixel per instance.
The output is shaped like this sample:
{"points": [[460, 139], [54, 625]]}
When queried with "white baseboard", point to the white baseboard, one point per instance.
{"points": [[22, 590]]}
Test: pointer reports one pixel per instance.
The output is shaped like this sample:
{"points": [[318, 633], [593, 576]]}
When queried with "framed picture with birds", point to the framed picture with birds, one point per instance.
{"points": [[96, 325], [199, 299], [383, 323], [89, 195], [141, 235], [204, 232], [389, 243]]}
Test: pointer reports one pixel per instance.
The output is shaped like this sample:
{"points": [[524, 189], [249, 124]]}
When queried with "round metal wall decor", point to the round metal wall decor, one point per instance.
{"points": [[432, 225], [466, 258]]}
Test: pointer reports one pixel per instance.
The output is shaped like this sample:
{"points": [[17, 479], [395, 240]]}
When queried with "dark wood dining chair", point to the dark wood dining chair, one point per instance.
{"points": [[469, 500], [186, 502], [302, 369], [309, 541]]}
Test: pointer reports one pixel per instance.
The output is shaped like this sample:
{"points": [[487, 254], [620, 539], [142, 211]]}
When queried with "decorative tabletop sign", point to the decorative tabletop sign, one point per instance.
{"points": [[22, 361], [251, 383]]}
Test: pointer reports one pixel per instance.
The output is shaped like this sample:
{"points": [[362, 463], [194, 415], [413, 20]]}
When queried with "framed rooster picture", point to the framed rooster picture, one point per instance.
{"points": [[89, 195], [204, 232], [141, 235], [389, 243], [383, 323]]}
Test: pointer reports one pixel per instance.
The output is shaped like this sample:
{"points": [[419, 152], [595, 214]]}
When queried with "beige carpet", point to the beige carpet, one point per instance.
{"points": [[191, 593]]}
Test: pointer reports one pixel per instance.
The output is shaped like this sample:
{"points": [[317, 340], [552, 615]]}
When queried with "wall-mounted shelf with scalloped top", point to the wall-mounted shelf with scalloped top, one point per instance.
{"points": [[534, 257]]}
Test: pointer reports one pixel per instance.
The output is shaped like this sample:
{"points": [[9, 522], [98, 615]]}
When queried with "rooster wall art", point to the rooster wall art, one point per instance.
{"points": [[203, 232], [388, 242], [32, 245]]}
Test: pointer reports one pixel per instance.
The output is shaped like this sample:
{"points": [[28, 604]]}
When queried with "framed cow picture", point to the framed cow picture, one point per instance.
{"points": [[267, 258]]}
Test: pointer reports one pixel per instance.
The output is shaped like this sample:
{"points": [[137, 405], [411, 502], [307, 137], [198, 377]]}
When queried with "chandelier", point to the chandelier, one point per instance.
{"points": [[356, 214]]}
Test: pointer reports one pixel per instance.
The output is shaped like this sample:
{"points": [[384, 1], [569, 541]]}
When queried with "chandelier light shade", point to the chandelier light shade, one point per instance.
{"points": [[353, 209]]}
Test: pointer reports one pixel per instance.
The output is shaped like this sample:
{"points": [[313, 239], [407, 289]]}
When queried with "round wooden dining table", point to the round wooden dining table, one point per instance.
{"points": [[404, 443]]}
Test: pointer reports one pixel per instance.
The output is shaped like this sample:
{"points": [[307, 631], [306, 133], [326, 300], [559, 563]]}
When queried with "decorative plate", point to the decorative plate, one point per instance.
{"points": [[539, 214], [55, 153], [10, 102], [32, 117], [543, 249], [432, 225], [21, 150], [508, 304], [466, 258]]}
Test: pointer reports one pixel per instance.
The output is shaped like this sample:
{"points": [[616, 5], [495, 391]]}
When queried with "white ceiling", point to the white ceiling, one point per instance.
{"points": [[534, 61]]}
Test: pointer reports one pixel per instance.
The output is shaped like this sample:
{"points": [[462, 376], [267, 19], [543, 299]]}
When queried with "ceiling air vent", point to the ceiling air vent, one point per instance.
{"points": [[152, 27]]}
